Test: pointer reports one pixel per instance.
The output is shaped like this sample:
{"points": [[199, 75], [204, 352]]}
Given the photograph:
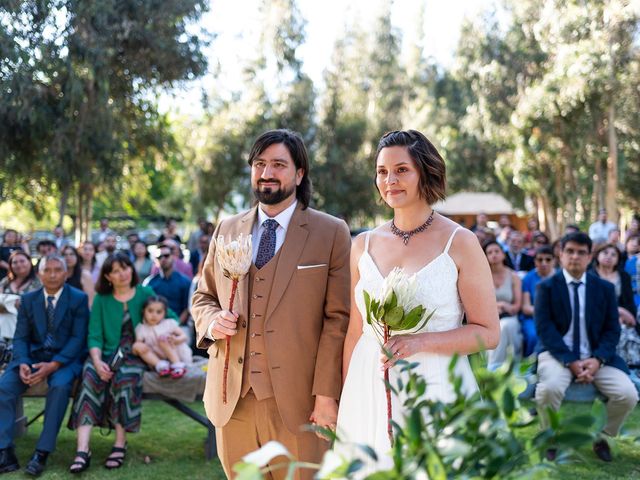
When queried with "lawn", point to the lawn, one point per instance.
{"points": [[174, 447]]}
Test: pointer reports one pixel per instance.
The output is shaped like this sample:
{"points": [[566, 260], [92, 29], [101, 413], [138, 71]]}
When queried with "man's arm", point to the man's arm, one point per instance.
{"points": [[205, 303], [21, 337], [548, 333], [610, 333], [328, 372]]}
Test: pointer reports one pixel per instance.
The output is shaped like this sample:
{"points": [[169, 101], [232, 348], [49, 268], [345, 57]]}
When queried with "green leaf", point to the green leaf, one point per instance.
{"points": [[393, 317], [508, 403], [247, 471], [393, 302]]}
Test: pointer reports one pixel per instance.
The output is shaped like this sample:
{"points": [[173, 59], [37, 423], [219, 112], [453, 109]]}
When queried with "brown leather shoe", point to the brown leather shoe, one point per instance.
{"points": [[602, 450]]}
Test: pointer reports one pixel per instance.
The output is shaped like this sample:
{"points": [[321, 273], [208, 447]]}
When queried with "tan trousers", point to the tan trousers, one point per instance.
{"points": [[253, 424], [554, 379]]}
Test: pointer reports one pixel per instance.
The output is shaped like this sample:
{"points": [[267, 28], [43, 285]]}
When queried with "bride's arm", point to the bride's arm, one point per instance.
{"points": [[476, 291], [477, 294], [355, 320]]}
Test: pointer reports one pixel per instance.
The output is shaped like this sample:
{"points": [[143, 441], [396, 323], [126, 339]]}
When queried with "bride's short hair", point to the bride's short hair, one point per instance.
{"points": [[433, 175]]}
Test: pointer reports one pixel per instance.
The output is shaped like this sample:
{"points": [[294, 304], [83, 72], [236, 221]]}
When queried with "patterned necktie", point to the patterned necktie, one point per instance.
{"points": [[51, 311], [267, 247], [576, 318]]}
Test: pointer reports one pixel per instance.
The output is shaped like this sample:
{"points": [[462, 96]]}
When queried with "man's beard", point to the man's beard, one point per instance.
{"points": [[270, 196]]}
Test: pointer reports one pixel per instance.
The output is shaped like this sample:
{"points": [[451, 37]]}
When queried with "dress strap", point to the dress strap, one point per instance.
{"points": [[446, 248], [366, 241]]}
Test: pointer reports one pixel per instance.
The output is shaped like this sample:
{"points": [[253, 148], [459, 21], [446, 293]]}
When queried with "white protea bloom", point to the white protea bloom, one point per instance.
{"points": [[234, 257], [266, 453], [404, 286]]}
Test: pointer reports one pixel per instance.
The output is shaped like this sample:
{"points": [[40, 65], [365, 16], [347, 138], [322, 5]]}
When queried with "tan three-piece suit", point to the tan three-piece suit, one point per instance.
{"points": [[293, 317]]}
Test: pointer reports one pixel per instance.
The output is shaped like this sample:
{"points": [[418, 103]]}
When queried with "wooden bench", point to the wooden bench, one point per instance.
{"points": [[210, 449]]}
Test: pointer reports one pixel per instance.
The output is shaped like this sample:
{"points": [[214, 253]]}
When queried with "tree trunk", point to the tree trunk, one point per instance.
{"points": [[64, 199], [612, 167], [598, 188], [85, 196]]}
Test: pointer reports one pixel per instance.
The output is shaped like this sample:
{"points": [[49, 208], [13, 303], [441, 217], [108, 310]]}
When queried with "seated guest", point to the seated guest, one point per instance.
{"points": [[9, 245], [508, 289], [194, 238], [88, 260], [141, 259], [178, 263], [605, 265], [539, 240], [576, 317], [632, 267], [170, 232], [517, 260], [111, 391], [109, 248], [543, 261], [21, 279], [46, 247], [49, 344], [198, 254], [77, 276], [171, 284]]}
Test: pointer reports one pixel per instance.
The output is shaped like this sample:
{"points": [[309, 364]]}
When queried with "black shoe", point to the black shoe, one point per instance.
{"points": [[551, 454], [37, 463], [79, 466], [602, 450], [8, 460]]}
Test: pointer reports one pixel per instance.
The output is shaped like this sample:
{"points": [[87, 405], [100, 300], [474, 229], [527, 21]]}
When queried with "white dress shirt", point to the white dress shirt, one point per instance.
{"points": [[585, 347], [56, 297]]}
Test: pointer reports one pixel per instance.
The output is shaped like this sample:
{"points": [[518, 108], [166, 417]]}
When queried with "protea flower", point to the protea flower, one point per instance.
{"points": [[395, 309], [235, 260]]}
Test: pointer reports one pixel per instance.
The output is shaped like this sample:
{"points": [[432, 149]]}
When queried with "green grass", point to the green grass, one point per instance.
{"points": [[175, 446], [173, 443]]}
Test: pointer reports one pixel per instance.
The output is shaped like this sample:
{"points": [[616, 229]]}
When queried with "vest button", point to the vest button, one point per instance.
{"points": [[253, 315], [253, 354], [240, 360], [244, 324], [253, 335], [254, 296]]}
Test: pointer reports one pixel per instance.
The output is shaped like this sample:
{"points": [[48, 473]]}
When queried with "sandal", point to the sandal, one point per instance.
{"points": [[116, 461], [80, 466], [178, 372]]}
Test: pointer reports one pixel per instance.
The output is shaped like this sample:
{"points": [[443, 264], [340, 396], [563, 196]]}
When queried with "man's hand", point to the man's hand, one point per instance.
{"points": [[225, 324], [576, 368], [42, 371], [325, 413], [590, 367], [25, 373]]}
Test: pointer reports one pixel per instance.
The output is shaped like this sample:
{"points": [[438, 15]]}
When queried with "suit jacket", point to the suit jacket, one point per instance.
{"points": [[526, 262], [307, 310], [553, 319], [70, 323]]}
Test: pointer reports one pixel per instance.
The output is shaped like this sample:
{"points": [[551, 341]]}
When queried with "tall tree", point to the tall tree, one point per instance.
{"points": [[77, 82]]}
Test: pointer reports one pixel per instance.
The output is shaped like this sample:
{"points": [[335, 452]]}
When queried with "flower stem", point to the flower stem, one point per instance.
{"points": [[388, 390], [225, 374]]}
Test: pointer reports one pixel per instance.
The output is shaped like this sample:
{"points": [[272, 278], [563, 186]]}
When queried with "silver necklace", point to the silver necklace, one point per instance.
{"points": [[407, 235]]}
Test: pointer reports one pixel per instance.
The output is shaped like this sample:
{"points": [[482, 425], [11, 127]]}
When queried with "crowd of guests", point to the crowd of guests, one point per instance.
{"points": [[520, 260], [128, 311]]}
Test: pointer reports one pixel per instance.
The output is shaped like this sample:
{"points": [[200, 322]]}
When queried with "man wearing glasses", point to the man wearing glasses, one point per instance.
{"points": [[576, 316]]}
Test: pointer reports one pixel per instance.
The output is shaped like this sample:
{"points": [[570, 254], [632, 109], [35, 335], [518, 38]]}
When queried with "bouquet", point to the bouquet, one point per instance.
{"points": [[395, 310], [235, 259]]}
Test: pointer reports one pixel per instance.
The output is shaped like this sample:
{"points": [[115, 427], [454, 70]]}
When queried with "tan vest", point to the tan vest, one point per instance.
{"points": [[255, 374]]}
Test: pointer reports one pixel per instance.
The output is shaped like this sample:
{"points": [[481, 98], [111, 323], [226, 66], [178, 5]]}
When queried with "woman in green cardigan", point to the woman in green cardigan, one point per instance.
{"points": [[111, 394]]}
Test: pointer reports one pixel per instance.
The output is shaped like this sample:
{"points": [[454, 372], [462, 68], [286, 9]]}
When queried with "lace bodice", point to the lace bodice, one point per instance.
{"points": [[438, 289]]}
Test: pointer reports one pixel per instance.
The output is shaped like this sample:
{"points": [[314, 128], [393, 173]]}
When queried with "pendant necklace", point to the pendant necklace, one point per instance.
{"points": [[407, 235]]}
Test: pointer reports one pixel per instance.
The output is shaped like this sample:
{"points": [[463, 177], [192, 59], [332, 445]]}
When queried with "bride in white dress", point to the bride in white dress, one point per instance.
{"points": [[454, 278]]}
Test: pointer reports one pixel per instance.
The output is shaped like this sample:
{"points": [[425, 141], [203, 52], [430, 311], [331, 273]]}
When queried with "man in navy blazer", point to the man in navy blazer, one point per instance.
{"points": [[576, 315], [49, 345]]}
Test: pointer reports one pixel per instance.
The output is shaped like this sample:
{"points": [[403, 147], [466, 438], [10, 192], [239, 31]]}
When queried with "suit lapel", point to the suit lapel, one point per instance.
{"points": [[590, 292], [40, 314], [61, 307], [564, 296], [246, 227], [289, 255]]}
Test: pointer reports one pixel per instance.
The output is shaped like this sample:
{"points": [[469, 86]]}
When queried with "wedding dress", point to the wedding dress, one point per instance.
{"points": [[362, 415]]}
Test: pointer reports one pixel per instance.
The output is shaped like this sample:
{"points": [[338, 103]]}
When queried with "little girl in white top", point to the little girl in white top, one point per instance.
{"points": [[160, 342]]}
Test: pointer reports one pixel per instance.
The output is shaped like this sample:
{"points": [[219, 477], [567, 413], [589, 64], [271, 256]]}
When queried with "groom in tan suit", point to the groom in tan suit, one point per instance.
{"points": [[290, 316]]}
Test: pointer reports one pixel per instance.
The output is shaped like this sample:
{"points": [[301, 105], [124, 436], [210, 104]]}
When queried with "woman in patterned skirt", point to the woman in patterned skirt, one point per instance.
{"points": [[111, 395]]}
